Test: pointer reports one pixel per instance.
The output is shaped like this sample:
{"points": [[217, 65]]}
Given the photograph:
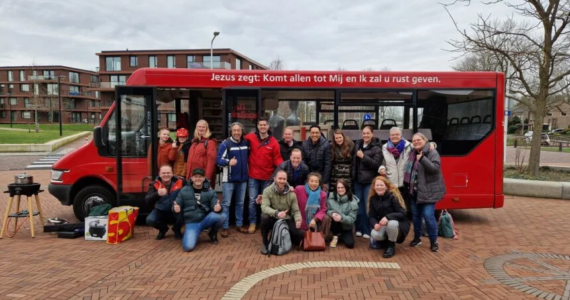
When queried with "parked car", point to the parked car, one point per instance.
{"points": [[545, 139], [559, 130]]}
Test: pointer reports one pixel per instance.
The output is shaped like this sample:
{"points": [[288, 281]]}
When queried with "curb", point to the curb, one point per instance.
{"points": [[47, 147], [537, 189]]}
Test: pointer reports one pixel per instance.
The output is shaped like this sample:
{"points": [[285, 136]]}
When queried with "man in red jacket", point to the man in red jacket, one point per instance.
{"points": [[264, 157]]}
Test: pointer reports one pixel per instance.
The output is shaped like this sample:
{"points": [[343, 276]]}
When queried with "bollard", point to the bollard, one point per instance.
{"points": [[559, 146], [516, 142]]}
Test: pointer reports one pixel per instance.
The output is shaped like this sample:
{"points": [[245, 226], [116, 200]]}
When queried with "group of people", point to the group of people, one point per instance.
{"points": [[373, 187]]}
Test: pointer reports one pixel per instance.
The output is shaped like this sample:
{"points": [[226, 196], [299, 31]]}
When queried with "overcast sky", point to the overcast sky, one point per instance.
{"points": [[306, 35]]}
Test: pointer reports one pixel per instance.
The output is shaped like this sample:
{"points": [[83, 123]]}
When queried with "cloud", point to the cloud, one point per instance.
{"points": [[307, 35]]}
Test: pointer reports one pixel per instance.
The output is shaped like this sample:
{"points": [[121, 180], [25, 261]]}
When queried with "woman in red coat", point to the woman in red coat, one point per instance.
{"points": [[165, 150], [202, 153], [312, 201]]}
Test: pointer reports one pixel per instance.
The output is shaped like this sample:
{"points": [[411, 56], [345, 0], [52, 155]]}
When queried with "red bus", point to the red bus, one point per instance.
{"points": [[461, 111]]}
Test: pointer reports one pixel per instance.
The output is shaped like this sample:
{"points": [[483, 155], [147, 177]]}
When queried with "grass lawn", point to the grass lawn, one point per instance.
{"points": [[23, 137], [545, 174], [555, 149], [54, 127]]}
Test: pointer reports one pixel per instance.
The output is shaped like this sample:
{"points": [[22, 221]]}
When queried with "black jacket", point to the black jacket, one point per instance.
{"points": [[318, 157], [366, 169], [286, 150], [430, 185], [288, 167], [388, 206], [342, 168]]}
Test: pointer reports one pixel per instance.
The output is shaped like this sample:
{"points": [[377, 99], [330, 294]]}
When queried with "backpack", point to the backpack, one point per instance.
{"points": [[280, 240], [446, 225]]}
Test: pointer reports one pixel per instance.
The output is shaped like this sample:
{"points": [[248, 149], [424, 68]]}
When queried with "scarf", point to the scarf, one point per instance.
{"points": [[411, 171], [313, 203], [398, 149]]}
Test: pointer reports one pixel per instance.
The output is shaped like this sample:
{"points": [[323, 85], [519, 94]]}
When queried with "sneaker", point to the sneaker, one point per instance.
{"points": [[224, 233], [358, 233], [161, 234], [251, 228], [264, 250], [366, 236], [416, 242], [434, 247], [334, 242]]}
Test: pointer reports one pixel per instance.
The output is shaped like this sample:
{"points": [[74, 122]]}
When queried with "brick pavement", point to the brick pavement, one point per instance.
{"points": [[50, 268]]}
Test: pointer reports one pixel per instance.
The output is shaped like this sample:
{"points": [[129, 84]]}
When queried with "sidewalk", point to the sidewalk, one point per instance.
{"points": [[499, 255], [547, 158]]}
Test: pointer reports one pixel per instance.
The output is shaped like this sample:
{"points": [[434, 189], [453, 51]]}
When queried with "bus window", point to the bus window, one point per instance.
{"points": [[133, 129], [457, 119]]}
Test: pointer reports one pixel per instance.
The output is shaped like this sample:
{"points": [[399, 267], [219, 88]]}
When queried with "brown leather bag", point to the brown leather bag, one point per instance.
{"points": [[314, 241]]}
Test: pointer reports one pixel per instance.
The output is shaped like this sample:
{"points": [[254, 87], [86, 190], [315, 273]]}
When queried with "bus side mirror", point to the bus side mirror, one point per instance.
{"points": [[97, 137]]}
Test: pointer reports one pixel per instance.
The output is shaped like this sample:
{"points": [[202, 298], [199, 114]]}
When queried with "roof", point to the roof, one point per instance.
{"points": [[43, 67]]}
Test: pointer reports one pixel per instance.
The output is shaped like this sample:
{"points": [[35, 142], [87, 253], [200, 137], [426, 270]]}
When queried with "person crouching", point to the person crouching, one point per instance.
{"points": [[200, 209]]}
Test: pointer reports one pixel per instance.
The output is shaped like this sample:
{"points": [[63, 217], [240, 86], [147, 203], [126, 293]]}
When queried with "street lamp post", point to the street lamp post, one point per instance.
{"points": [[216, 33], [59, 77]]}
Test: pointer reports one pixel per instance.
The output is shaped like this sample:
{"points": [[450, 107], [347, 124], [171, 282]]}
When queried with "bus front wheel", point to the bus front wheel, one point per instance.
{"points": [[90, 196]]}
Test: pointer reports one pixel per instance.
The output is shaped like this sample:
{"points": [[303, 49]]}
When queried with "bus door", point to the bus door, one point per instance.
{"points": [[242, 105], [136, 143]]}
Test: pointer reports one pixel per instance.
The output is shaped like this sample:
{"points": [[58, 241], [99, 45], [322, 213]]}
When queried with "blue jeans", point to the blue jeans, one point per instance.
{"points": [[192, 232], [362, 223], [233, 190], [425, 211], [255, 187], [160, 219]]}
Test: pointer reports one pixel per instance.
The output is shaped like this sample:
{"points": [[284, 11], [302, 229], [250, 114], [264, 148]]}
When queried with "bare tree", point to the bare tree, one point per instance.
{"points": [[40, 98], [276, 64], [537, 51]]}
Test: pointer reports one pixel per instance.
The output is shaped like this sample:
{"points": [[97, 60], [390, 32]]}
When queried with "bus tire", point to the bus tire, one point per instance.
{"points": [[88, 196]]}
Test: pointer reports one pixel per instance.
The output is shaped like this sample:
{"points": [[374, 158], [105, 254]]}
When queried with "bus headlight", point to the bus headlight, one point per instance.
{"points": [[56, 175]]}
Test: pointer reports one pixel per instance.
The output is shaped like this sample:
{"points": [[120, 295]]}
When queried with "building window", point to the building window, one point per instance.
{"points": [[27, 103], [10, 76], [171, 117], [238, 64], [94, 78], [2, 103], [92, 115], [3, 114], [250, 67], [152, 61], [96, 94], [74, 90], [118, 80], [26, 115], [25, 87], [73, 77], [13, 101], [215, 59], [22, 75], [76, 117], [10, 89], [52, 89], [69, 103], [100, 116], [134, 61], [49, 75], [171, 61], [191, 60], [14, 116], [113, 63], [36, 89]]}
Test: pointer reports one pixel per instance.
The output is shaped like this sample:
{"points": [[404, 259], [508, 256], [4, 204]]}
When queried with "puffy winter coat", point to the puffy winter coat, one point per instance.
{"points": [[302, 199], [286, 149], [180, 157], [165, 202], [318, 157], [366, 168], [430, 186], [192, 209], [395, 169], [388, 206], [346, 209], [274, 201], [229, 149], [203, 155], [291, 180], [342, 167], [264, 156]]}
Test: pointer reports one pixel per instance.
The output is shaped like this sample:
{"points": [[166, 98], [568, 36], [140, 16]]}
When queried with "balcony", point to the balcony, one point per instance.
{"points": [[42, 78], [87, 94], [206, 65], [105, 85]]}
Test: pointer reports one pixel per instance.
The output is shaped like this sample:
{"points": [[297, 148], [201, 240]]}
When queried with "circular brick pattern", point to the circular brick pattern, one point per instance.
{"points": [[526, 271], [243, 286]]}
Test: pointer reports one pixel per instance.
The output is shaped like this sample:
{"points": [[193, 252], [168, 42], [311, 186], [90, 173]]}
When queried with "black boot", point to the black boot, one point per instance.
{"points": [[161, 234], [177, 233], [390, 250], [213, 234]]}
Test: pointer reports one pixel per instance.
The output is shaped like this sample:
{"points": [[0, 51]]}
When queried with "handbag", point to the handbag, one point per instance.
{"points": [[314, 240]]}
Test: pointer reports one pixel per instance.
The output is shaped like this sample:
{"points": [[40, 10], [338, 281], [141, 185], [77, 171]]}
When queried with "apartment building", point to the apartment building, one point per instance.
{"points": [[27, 91]]}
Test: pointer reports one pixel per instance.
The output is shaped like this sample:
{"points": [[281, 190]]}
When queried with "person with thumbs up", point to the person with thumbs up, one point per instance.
{"points": [[233, 159], [200, 208], [278, 202]]}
